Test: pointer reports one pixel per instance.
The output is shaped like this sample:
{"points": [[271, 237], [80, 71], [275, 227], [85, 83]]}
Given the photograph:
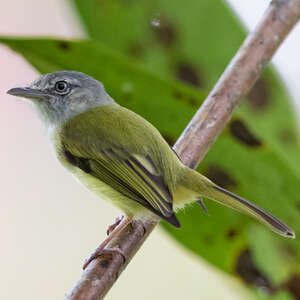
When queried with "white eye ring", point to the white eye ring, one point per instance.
{"points": [[62, 87]]}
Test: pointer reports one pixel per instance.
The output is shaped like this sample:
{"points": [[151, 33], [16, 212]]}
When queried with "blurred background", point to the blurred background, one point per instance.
{"points": [[49, 223]]}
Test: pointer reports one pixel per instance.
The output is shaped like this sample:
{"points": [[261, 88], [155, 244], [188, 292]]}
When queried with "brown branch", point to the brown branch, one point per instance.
{"points": [[237, 80], [199, 135]]}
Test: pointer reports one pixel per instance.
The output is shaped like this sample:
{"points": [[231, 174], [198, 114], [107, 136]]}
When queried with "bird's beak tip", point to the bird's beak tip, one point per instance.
{"points": [[18, 91], [11, 91], [26, 92]]}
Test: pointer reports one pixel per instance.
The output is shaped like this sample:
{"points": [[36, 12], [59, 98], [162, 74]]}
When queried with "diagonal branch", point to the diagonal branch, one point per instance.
{"points": [[199, 135]]}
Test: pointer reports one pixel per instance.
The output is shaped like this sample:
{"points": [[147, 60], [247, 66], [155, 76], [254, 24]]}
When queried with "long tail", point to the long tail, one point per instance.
{"points": [[238, 203], [208, 189]]}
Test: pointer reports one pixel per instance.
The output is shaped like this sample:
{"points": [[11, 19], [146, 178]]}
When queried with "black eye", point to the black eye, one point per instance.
{"points": [[62, 87]]}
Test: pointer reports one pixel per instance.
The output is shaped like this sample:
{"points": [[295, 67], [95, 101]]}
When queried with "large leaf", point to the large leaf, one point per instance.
{"points": [[193, 41], [243, 159]]}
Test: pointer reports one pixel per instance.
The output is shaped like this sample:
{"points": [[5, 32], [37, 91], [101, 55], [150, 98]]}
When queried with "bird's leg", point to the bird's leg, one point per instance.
{"points": [[200, 201], [112, 227], [101, 250]]}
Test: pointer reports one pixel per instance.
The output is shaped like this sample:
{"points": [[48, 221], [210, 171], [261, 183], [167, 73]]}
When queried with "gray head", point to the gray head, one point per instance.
{"points": [[62, 95]]}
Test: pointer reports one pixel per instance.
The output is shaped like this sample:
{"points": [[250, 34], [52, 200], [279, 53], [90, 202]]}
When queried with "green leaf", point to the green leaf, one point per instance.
{"points": [[167, 35], [194, 41], [243, 158]]}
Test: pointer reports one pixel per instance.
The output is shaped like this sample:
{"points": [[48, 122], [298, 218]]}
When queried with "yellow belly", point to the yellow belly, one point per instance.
{"points": [[129, 207], [182, 197]]}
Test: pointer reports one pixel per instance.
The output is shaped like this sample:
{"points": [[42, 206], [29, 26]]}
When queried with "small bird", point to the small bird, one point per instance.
{"points": [[121, 156]]}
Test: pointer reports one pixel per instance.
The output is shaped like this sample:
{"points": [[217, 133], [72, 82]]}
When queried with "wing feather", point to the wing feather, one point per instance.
{"points": [[143, 172], [129, 176]]}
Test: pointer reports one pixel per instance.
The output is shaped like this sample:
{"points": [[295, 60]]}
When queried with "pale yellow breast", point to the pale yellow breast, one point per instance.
{"points": [[130, 207]]}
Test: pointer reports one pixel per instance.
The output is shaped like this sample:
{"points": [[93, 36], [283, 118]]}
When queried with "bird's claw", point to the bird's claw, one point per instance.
{"points": [[112, 227], [104, 252]]}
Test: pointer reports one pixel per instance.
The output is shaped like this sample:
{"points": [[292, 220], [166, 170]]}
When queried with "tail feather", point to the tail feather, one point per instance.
{"points": [[205, 188], [236, 202]]}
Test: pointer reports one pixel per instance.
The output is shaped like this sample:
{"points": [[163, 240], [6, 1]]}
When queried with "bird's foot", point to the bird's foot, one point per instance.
{"points": [[101, 252], [103, 248], [113, 226]]}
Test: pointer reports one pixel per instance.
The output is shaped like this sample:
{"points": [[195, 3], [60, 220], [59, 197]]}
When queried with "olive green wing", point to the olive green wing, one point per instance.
{"points": [[133, 175]]}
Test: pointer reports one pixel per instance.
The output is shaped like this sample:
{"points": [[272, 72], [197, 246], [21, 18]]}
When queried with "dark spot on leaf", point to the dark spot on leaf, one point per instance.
{"points": [[127, 97], [259, 95], [232, 233], [188, 73], [169, 139], [178, 95], [104, 263], [136, 50], [192, 101], [249, 272], [293, 285], [164, 31], [239, 130], [288, 136], [209, 239], [220, 176], [64, 45]]}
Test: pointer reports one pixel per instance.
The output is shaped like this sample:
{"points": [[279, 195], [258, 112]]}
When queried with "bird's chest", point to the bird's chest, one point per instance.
{"points": [[79, 167], [59, 149]]}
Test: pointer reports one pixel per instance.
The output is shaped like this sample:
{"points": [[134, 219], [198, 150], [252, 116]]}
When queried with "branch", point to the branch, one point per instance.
{"points": [[199, 135], [237, 79]]}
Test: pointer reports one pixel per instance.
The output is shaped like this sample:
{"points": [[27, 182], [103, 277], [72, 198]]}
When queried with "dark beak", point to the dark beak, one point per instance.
{"points": [[27, 92]]}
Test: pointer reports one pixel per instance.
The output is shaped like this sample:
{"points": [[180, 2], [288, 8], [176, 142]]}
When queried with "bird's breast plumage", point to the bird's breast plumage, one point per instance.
{"points": [[119, 149]]}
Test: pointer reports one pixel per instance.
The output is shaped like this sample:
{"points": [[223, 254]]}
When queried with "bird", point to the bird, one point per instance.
{"points": [[122, 157]]}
